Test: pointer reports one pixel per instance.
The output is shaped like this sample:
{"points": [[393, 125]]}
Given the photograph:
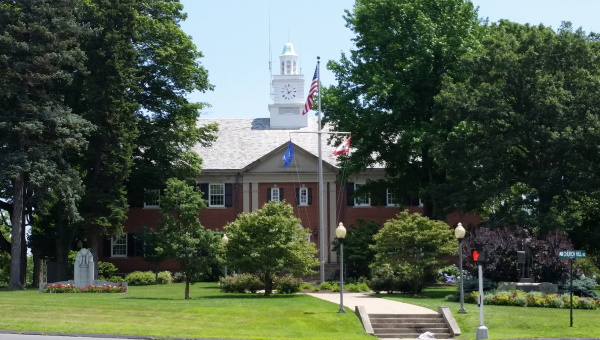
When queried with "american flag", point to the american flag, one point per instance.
{"points": [[313, 89]]}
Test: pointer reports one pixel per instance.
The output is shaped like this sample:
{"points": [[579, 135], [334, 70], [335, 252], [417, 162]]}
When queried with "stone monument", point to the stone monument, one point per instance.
{"points": [[84, 269]]}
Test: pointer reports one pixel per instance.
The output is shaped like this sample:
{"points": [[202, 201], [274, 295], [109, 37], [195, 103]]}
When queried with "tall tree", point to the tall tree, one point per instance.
{"points": [[182, 236], [106, 97], [386, 86], [270, 241], [524, 128], [39, 53], [168, 70]]}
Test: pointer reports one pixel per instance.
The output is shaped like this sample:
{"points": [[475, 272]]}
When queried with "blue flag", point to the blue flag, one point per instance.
{"points": [[288, 156]]}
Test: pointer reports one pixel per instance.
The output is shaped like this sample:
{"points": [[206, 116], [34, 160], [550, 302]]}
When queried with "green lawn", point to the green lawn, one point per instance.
{"points": [[161, 311], [507, 322]]}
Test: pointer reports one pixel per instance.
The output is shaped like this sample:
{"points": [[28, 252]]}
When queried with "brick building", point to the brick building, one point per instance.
{"points": [[244, 169]]}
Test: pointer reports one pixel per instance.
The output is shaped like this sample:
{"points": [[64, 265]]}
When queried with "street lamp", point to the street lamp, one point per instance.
{"points": [[224, 241], [459, 232], [340, 232]]}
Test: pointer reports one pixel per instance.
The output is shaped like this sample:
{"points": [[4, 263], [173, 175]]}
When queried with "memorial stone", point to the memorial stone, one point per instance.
{"points": [[84, 269]]}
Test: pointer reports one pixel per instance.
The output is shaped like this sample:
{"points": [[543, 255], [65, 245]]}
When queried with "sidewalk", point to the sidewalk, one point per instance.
{"points": [[372, 304]]}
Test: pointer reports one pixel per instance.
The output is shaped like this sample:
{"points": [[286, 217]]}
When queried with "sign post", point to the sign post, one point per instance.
{"points": [[571, 255], [480, 256]]}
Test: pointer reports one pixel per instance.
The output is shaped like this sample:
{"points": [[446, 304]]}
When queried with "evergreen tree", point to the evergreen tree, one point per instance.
{"points": [[39, 53]]}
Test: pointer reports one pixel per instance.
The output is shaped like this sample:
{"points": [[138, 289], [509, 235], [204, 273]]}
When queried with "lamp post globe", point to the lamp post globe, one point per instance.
{"points": [[340, 233], [459, 233], [224, 241]]}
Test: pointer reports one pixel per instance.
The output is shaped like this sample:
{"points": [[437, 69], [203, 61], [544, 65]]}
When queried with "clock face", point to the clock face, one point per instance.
{"points": [[289, 92]]}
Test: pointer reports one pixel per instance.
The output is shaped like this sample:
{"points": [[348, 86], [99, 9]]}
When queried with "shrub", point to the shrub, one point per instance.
{"points": [[115, 278], [450, 274], [326, 286], [581, 287], [67, 288], [472, 285], [287, 284], [383, 279], [177, 277], [241, 283], [106, 270], [534, 299], [140, 278], [164, 277], [307, 286]]}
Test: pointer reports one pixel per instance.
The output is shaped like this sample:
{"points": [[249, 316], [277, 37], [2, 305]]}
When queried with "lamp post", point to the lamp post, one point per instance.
{"points": [[340, 232], [224, 241], [459, 232]]}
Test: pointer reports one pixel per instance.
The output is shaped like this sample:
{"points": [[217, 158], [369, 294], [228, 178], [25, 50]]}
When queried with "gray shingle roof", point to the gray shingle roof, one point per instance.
{"points": [[240, 142]]}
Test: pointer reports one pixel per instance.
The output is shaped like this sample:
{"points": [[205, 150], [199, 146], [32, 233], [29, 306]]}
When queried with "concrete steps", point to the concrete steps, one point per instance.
{"points": [[409, 326]]}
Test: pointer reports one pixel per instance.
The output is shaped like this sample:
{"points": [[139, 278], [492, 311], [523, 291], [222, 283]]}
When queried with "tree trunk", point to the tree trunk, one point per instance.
{"points": [[95, 246], [23, 252], [268, 283], [38, 270], [187, 288], [15, 246]]}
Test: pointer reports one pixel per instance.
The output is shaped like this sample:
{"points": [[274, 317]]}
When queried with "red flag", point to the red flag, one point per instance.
{"points": [[314, 86], [343, 148]]}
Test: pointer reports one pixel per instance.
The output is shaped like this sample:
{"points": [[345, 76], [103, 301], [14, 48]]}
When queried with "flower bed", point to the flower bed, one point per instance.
{"points": [[68, 288], [534, 299]]}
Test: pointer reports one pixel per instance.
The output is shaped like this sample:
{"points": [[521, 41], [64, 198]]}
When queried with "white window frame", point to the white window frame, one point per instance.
{"points": [[390, 198], [215, 196], [303, 196], [118, 246], [275, 194], [153, 198], [361, 201]]}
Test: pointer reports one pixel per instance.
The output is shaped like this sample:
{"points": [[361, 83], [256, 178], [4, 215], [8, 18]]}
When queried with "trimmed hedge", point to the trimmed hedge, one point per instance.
{"points": [[533, 299]]}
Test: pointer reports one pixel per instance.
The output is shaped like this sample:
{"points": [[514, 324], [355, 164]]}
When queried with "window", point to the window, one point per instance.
{"points": [[119, 246], [390, 198], [274, 194], [152, 198], [361, 201], [303, 196], [216, 195]]}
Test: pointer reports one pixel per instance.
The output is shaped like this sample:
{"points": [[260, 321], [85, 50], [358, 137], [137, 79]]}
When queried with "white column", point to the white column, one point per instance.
{"points": [[246, 197]]}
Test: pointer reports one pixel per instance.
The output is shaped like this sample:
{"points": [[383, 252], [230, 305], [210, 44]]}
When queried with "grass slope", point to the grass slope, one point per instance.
{"points": [[161, 311], [508, 322]]}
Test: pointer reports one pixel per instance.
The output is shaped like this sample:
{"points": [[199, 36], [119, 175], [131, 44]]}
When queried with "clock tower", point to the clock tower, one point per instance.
{"points": [[288, 93]]}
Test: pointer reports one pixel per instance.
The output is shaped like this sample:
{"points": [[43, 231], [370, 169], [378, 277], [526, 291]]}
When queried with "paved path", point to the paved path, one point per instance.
{"points": [[373, 304]]}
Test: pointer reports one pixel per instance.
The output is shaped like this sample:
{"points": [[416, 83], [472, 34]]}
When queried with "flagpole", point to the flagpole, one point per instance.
{"points": [[322, 229]]}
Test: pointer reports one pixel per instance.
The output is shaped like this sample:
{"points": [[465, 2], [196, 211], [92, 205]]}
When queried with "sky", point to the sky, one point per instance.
{"points": [[239, 38]]}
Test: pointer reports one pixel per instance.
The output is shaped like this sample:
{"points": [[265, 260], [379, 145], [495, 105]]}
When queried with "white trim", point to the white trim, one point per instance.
{"points": [[275, 194], [390, 199], [300, 201], [216, 195], [122, 246]]}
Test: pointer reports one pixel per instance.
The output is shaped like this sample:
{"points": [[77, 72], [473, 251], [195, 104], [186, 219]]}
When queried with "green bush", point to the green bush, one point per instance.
{"points": [[356, 287], [326, 286], [307, 286], [106, 270], [383, 279], [140, 278], [241, 283], [581, 287], [533, 299], [164, 277], [287, 284], [178, 277], [115, 278], [472, 285]]}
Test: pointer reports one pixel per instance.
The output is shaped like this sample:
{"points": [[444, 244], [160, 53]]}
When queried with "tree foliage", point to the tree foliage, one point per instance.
{"points": [[181, 234], [270, 241], [39, 54], [386, 86], [502, 244], [523, 127], [413, 245], [358, 254]]}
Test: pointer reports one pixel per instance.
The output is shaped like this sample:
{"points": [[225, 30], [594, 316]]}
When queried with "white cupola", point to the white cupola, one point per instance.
{"points": [[288, 92]]}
